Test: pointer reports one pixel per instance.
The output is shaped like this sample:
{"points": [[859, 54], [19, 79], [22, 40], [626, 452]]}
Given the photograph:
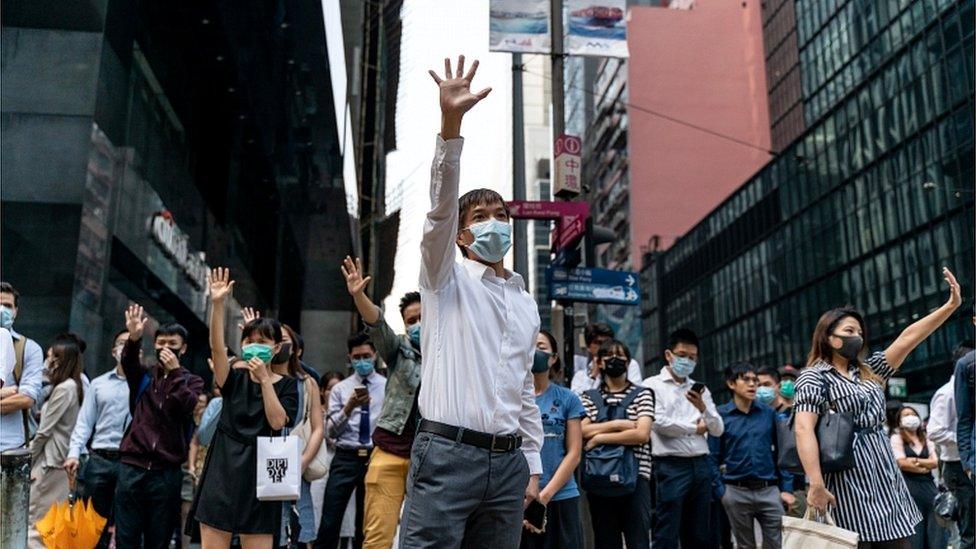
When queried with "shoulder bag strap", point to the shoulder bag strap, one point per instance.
{"points": [[20, 346]]}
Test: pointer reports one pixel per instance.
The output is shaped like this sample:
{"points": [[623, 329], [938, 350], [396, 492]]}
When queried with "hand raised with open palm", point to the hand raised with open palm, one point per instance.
{"points": [[456, 97]]}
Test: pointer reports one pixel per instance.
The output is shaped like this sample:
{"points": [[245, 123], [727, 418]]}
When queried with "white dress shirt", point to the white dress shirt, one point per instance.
{"points": [[104, 415], [583, 381], [12, 423], [479, 329], [8, 358], [345, 429], [942, 421], [674, 432]]}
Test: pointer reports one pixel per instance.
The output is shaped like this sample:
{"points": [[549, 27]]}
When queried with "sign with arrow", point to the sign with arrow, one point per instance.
{"points": [[593, 285]]}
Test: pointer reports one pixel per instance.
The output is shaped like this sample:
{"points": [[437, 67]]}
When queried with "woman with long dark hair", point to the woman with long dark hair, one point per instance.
{"points": [[917, 459], [257, 402], [49, 448], [871, 498]]}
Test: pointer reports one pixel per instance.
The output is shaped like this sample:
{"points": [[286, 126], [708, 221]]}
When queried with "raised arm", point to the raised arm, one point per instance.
{"points": [[441, 225], [916, 333], [221, 286]]}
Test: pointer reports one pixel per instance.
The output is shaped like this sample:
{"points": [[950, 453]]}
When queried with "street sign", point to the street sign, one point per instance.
{"points": [[593, 285], [897, 387], [567, 150], [571, 217]]}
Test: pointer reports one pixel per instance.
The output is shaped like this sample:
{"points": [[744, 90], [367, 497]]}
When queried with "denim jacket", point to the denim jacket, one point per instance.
{"points": [[403, 377]]}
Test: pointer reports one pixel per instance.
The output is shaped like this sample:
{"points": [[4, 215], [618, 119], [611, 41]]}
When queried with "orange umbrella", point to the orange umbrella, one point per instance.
{"points": [[71, 524]]}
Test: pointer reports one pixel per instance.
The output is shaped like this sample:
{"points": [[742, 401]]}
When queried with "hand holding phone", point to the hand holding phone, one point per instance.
{"points": [[698, 387], [535, 515]]}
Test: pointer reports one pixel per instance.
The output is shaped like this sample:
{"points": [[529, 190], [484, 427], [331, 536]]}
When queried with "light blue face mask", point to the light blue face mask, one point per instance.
{"points": [[766, 395], [413, 332], [682, 366], [6, 317], [492, 239], [363, 366]]}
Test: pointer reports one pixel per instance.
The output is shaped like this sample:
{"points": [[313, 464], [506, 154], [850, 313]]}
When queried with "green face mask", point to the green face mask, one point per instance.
{"points": [[787, 389], [259, 350]]}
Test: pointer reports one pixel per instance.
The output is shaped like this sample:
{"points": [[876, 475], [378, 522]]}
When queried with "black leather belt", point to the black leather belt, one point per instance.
{"points": [[751, 483], [111, 455], [493, 443]]}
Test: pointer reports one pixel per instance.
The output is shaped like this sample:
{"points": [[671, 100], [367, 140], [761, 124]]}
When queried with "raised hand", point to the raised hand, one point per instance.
{"points": [[456, 97], [248, 314], [352, 270], [135, 321], [955, 294], [220, 284]]}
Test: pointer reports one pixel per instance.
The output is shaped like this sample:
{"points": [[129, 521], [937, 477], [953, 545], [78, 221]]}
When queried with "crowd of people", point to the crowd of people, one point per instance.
{"points": [[462, 431]]}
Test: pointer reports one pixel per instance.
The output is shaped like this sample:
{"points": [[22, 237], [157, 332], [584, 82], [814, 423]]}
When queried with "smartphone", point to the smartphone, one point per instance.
{"points": [[360, 391], [535, 514], [698, 387]]}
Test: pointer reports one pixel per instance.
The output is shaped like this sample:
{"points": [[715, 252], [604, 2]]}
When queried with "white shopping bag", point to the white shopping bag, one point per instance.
{"points": [[807, 533], [279, 468]]}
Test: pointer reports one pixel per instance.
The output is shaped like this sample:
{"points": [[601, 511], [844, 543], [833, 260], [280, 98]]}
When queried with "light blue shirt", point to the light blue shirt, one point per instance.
{"points": [[105, 411], [208, 422], [345, 429], [12, 424]]}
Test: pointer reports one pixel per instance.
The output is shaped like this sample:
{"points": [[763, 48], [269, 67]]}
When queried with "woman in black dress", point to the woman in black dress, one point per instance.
{"points": [[257, 402], [916, 458]]}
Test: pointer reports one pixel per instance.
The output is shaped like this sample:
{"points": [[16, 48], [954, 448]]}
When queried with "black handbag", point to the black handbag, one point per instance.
{"points": [[946, 507], [835, 437]]}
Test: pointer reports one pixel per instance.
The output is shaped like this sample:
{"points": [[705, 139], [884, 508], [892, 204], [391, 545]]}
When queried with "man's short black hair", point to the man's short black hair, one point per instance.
{"points": [[961, 350], [682, 335], [362, 338], [473, 199], [8, 288], [408, 299], [768, 371], [738, 369], [594, 330], [172, 328], [118, 333]]}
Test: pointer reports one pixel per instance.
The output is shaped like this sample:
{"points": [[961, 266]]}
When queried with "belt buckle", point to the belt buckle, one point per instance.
{"points": [[496, 448], [362, 452]]}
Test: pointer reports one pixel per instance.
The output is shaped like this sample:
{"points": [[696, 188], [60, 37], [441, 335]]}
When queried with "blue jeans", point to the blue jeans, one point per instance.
{"points": [[683, 496]]}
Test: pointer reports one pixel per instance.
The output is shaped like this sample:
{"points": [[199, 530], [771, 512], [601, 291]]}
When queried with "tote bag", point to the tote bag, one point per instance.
{"points": [[319, 465], [807, 533], [279, 470]]}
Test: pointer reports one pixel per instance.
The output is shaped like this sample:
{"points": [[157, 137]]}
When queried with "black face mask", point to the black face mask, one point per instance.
{"points": [[540, 362], [851, 347], [283, 355], [614, 366], [159, 351]]}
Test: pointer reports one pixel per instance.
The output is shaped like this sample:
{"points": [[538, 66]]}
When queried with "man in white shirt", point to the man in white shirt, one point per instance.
{"points": [[683, 414], [586, 374], [942, 431], [476, 459], [22, 386]]}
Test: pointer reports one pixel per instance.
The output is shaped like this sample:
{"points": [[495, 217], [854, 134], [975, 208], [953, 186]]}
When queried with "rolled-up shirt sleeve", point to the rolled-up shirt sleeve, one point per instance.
{"points": [[530, 427], [31, 378]]}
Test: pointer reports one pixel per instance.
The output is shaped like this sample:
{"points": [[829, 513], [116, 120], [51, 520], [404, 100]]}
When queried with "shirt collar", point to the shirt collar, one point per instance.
{"points": [[730, 408], [665, 376], [480, 270], [14, 334]]}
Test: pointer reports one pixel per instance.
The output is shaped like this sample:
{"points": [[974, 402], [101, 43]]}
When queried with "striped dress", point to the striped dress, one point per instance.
{"points": [[872, 498]]}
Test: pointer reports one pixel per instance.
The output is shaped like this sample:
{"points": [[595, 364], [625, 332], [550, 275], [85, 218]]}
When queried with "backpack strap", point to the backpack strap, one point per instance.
{"points": [[601, 406], [635, 391], [20, 347]]}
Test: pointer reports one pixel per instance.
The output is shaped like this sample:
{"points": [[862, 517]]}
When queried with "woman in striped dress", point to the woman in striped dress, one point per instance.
{"points": [[871, 498]]}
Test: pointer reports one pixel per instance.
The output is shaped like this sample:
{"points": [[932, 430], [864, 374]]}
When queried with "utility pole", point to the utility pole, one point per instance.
{"points": [[518, 167]]}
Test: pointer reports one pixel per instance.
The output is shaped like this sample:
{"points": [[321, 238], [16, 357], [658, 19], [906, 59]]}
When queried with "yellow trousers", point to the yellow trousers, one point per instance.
{"points": [[386, 485]]}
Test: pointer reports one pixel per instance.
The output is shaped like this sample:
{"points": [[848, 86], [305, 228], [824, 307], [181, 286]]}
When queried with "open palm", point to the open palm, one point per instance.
{"points": [[455, 88], [352, 270], [221, 285]]}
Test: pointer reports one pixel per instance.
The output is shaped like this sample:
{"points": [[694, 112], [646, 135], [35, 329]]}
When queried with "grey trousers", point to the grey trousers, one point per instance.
{"points": [[462, 496], [743, 506]]}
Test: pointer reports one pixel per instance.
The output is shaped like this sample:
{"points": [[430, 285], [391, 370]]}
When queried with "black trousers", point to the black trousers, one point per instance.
{"points": [[683, 499], [961, 487], [100, 476], [147, 506], [564, 529], [347, 473], [616, 519]]}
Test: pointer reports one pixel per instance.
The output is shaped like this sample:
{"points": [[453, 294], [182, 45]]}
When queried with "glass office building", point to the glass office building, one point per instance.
{"points": [[863, 208]]}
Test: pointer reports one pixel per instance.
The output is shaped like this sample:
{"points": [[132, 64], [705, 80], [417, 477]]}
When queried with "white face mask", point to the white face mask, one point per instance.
{"points": [[911, 422]]}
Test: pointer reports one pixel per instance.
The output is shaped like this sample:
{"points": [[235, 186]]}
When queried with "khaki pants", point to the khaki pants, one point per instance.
{"points": [[386, 483]]}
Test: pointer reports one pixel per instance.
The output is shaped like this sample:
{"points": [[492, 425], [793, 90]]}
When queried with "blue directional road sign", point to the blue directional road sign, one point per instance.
{"points": [[593, 285]]}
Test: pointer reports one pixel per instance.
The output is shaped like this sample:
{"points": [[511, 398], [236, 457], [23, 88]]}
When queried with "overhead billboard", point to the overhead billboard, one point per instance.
{"points": [[596, 27], [519, 26]]}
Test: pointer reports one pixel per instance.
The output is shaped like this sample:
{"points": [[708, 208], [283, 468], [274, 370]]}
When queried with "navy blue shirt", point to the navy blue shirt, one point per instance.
{"points": [[747, 447]]}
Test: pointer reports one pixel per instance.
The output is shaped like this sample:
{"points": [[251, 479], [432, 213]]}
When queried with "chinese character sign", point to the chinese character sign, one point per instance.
{"points": [[519, 26], [567, 181], [596, 27]]}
